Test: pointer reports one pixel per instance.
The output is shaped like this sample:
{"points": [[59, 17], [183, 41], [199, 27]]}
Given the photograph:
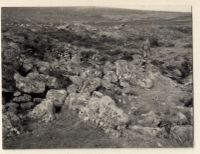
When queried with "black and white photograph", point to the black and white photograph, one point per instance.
{"points": [[90, 77]]}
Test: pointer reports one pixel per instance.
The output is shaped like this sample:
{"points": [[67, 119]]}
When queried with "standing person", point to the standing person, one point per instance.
{"points": [[146, 48], [146, 51]]}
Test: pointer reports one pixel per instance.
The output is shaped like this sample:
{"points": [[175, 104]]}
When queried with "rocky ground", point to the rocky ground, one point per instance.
{"points": [[78, 79]]}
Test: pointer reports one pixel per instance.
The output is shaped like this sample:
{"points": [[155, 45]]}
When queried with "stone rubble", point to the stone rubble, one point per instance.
{"points": [[113, 88]]}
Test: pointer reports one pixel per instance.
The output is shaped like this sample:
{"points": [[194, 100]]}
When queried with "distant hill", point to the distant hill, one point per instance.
{"points": [[59, 14]]}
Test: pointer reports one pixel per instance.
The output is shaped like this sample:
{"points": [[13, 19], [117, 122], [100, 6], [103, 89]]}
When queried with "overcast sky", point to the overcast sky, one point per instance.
{"points": [[155, 5], [157, 8]]}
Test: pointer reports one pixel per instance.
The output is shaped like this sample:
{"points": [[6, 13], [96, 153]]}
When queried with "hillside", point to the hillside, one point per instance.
{"points": [[78, 77]]}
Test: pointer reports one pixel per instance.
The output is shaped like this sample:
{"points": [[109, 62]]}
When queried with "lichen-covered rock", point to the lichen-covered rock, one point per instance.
{"points": [[105, 104], [149, 119], [146, 83], [27, 65], [107, 84], [99, 109], [43, 67], [23, 98], [97, 94], [90, 84], [45, 111], [137, 59], [77, 80], [27, 85], [65, 67], [110, 76], [130, 75], [91, 72], [73, 88], [57, 96], [49, 81], [75, 101]]}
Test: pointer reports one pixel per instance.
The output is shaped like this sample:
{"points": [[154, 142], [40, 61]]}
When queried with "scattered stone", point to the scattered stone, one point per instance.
{"points": [[90, 85], [12, 109], [52, 82], [97, 94], [73, 89], [43, 111], [177, 72], [91, 72], [103, 90], [17, 93], [137, 59], [149, 120], [124, 83], [66, 67], [127, 99], [27, 106], [180, 119], [56, 96], [27, 66], [27, 85], [49, 81], [14, 105], [43, 67], [130, 75], [23, 98], [110, 76], [146, 83], [76, 59], [76, 80], [75, 101], [107, 84]]}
